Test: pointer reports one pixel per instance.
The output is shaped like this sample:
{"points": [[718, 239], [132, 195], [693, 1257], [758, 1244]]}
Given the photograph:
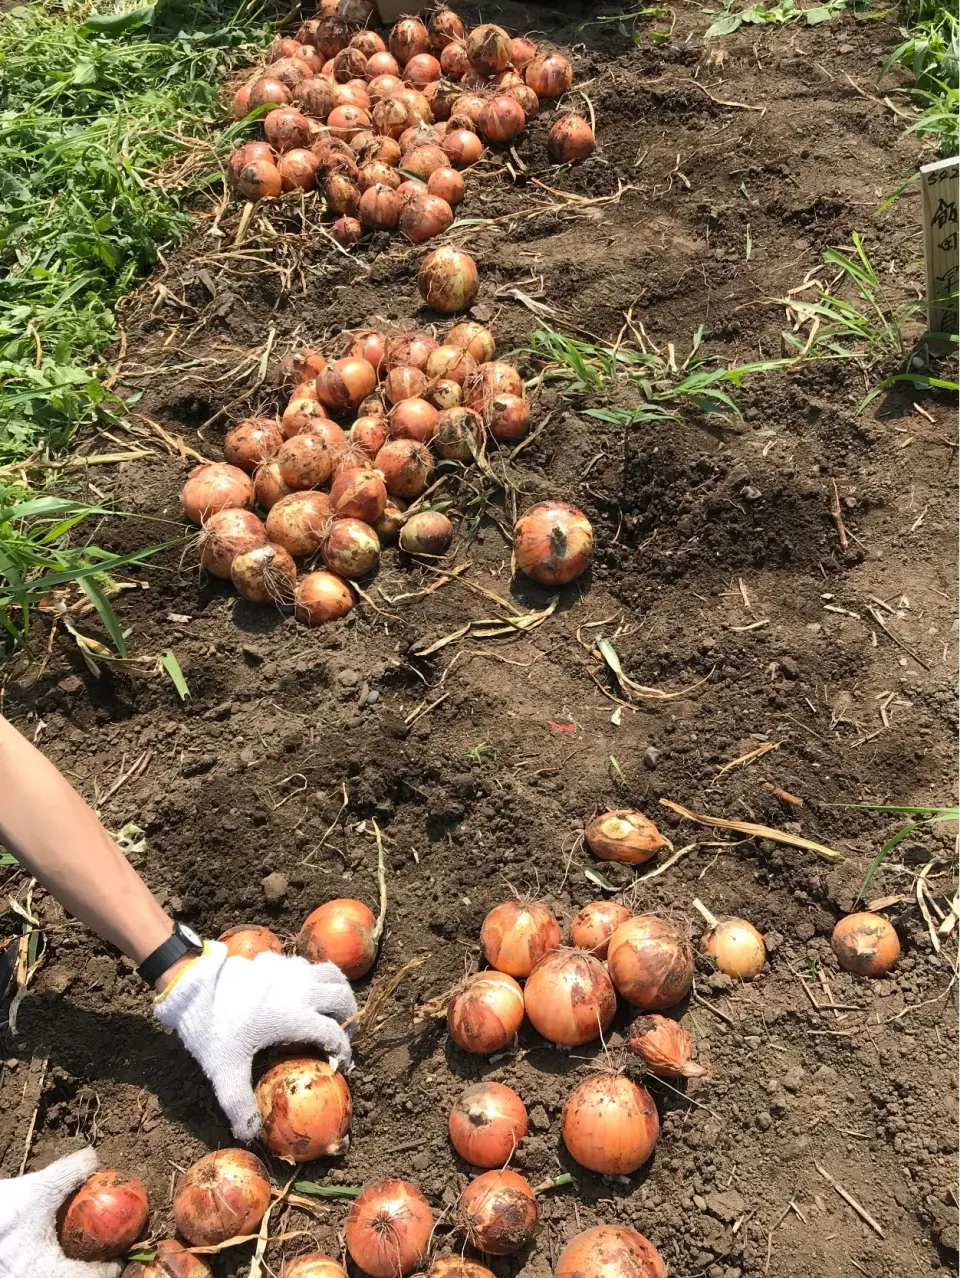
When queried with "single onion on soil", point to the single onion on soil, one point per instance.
{"points": [[553, 543], [411, 350], [414, 419], [172, 1261], [650, 962], [358, 493], [610, 1251], [610, 1124], [549, 75], [448, 280], [227, 534], [475, 339], [104, 1217], [297, 522], [346, 231], [624, 835], [406, 466], [351, 548], [305, 1105], [322, 597], [498, 1212], [569, 997], [247, 940], [428, 532], [457, 429], [571, 140], [593, 927], [312, 1265], [487, 1124], [408, 38], [388, 1229], [462, 148], [865, 944], [390, 522], [222, 1195], [343, 932], [369, 434], [488, 48], [507, 417], [515, 936], [665, 1048], [265, 575], [404, 381], [501, 119], [485, 1012], [215, 487], [734, 945], [251, 442]]}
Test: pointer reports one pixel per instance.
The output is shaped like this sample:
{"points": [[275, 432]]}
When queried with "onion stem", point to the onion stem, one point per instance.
{"points": [[327, 1191], [565, 1178], [711, 919]]}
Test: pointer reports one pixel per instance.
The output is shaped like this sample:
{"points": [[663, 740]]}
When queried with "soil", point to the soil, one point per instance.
{"points": [[718, 570]]}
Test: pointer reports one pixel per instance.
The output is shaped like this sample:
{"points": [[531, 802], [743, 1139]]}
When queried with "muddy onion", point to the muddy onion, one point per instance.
{"points": [[498, 1212], [569, 997], [105, 1216], [215, 487], [305, 1105], [344, 121], [488, 48], [452, 362], [348, 64], [411, 349], [475, 339], [865, 944], [330, 35], [404, 381], [665, 1048], [222, 1195], [343, 195], [610, 1251], [570, 140], [736, 947], [341, 932], [522, 51], [227, 534], [414, 419], [406, 466], [283, 47], [358, 493], [247, 940], [302, 415], [297, 522], [457, 428], [487, 1124], [490, 380], [268, 91], [290, 72], [444, 393], [444, 28], [454, 62], [172, 1260], [315, 98], [485, 1012], [251, 442], [312, 1265], [249, 153], [265, 575], [388, 1229], [259, 180], [298, 169], [507, 417], [448, 280], [553, 543], [369, 344], [375, 173], [322, 597], [300, 367], [346, 231], [592, 928], [528, 100], [549, 75], [368, 42], [379, 208], [624, 835], [610, 1124], [650, 962], [408, 38], [269, 486], [462, 148], [428, 532], [351, 548], [501, 119], [345, 382], [515, 936], [305, 461], [286, 128]]}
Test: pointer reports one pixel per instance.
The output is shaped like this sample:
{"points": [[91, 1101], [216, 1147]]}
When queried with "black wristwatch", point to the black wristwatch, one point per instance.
{"points": [[183, 941]]}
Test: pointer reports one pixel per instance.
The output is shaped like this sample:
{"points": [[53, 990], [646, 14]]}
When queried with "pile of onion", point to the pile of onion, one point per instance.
{"points": [[487, 1124], [343, 932], [388, 1229], [305, 1105], [569, 997]]}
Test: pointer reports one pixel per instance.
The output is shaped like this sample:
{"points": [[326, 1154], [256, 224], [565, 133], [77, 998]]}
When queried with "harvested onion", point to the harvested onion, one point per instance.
{"points": [[462, 148], [488, 48], [408, 38], [428, 532], [448, 280], [305, 1105], [268, 92], [485, 1012], [312, 1265], [286, 128], [345, 382], [475, 339], [734, 945], [458, 434], [379, 209], [571, 140], [610, 1251], [322, 597], [358, 493], [507, 417], [444, 394], [501, 119], [447, 184], [388, 1229], [498, 1212], [487, 1124], [553, 543], [404, 381], [298, 170], [369, 344], [425, 217], [104, 1217], [305, 460], [269, 486], [172, 1260], [522, 51], [246, 940], [251, 442], [569, 997], [549, 75], [610, 1124], [414, 419], [222, 1195], [369, 434], [215, 487], [452, 362], [515, 937], [351, 548], [650, 962], [406, 466], [265, 575], [528, 100], [341, 932], [297, 522], [491, 380], [624, 835], [665, 1048], [444, 28], [421, 70], [411, 350], [225, 535], [346, 231], [593, 927], [865, 944]]}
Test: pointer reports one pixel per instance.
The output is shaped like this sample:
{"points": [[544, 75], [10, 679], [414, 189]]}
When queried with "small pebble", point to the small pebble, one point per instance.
{"points": [[275, 887], [764, 1121], [651, 757]]}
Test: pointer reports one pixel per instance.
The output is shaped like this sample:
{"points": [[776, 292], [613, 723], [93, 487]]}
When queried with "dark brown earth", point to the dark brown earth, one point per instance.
{"points": [[718, 564]]}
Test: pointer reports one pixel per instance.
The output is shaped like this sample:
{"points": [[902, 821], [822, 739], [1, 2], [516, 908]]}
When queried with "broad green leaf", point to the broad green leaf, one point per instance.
{"points": [[172, 667]]}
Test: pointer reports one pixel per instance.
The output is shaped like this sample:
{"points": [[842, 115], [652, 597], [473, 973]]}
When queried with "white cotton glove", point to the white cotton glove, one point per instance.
{"points": [[28, 1222], [228, 1009]]}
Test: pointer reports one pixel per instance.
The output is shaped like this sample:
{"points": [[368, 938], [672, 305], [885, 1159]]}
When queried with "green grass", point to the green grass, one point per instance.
{"points": [[730, 18], [925, 816], [930, 51]]}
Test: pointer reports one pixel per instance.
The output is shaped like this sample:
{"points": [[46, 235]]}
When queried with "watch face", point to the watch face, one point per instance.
{"points": [[190, 935]]}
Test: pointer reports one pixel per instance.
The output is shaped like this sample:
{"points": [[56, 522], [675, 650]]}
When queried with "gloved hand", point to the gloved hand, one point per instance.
{"points": [[28, 1222], [227, 1009]]}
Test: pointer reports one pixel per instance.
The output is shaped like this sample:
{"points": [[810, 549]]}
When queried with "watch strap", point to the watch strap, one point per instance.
{"points": [[164, 956]]}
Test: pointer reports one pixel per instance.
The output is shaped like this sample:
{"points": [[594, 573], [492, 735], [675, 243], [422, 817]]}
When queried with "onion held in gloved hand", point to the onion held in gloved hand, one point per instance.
{"points": [[222, 1195], [306, 1108], [105, 1217], [553, 543]]}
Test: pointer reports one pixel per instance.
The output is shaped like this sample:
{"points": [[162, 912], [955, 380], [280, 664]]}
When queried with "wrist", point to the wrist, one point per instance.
{"points": [[167, 978]]}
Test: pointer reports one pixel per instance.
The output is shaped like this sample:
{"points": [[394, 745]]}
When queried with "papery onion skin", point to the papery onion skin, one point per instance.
{"points": [[610, 1124], [443, 394], [251, 442], [343, 196], [549, 75], [222, 1195], [247, 940], [290, 72], [322, 597], [571, 140], [664, 1047], [369, 344], [488, 48], [610, 1251], [444, 28], [312, 1265], [406, 466], [248, 154], [553, 543], [498, 1212], [215, 487], [388, 1229], [369, 434], [104, 1217], [351, 548], [448, 280], [265, 575], [485, 1012], [736, 947], [348, 64], [380, 208], [227, 534], [624, 835], [569, 997], [475, 339], [593, 927], [306, 1108], [283, 47], [297, 522], [456, 428], [301, 367], [300, 414], [411, 350], [487, 1124], [650, 962], [172, 1260], [409, 189], [340, 932], [408, 38], [428, 532], [375, 173], [414, 419], [490, 380], [359, 494], [298, 170], [528, 100], [453, 362], [865, 944], [269, 486], [404, 381], [422, 160], [516, 936], [240, 103], [391, 521]]}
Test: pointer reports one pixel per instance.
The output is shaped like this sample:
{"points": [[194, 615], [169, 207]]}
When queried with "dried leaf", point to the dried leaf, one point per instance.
{"points": [[755, 831]]}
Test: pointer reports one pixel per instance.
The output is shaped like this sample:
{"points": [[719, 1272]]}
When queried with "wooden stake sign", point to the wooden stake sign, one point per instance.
{"points": [[941, 202]]}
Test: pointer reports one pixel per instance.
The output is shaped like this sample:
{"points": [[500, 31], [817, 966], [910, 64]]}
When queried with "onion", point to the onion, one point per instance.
{"points": [[246, 940], [269, 486], [610, 1251], [522, 51], [306, 461], [343, 196], [515, 937], [345, 382], [462, 148], [376, 173], [251, 442], [428, 532], [369, 434], [344, 121], [624, 835], [349, 64], [283, 47], [302, 414], [240, 103], [491, 380], [307, 33], [383, 85], [488, 48], [592, 928], [485, 1012], [404, 381], [312, 1265], [290, 72], [105, 1216], [322, 597], [368, 42], [665, 1048], [298, 170], [342, 932], [421, 70], [368, 344], [734, 945], [452, 362], [419, 134], [346, 231], [297, 522], [306, 1108], [498, 1212], [571, 140], [215, 487], [409, 189], [268, 92], [501, 119], [424, 217], [390, 522], [357, 13], [381, 65], [265, 575], [423, 160], [569, 997], [390, 116], [475, 339], [388, 1229], [413, 349], [650, 962], [406, 466], [458, 433], [222, 1195], [408, 38], [414, 419], [380, 208], [286, 128], [865, 944], [315, 98], [384, 151], [523, 94], [359, 494], [260, 180], [509, 79], [444, 393], [444, 28], [441, 94], [477, 80], [448, 280], [247, 154], [487, 1124], [372, 406], [553, 543], [301, 367], [549, 75], [610, 1124], [447, 185], [330, 36], [311, 60], [507, 417], [172, 1261], [351, 548], [225, 535], [454, 62]]}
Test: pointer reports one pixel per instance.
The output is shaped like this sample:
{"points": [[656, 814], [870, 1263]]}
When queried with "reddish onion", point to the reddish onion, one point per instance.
{"points": [[382, 151], [610, 1124], [240, 102], [569, 997], [414, 419], [593, 927], [549, 75], [390, 522], [475, 339], [610, 1251], [452, 362], [383, 85], [448, 280], [351, 548], [408, 38], [528, 100], [306, 461], [865, 944], [222, 1195], [215, 487], [330, 36], [251, 442], [507, 417], [388, 1229], [225, 535], [488, 48], [553, 543], [410, 189], [421, 161], [498, 1212], [345, 382], [322, 597], [268, 91], [349, 64], [457, 430], [343, 196], [413, 349], [300, 367], [298, 170], [417, 135], [522, 51], [404, 381], [311, 60], [444, 28], [376, 173], [380, 208], [359, 494], [269, 486], [368, 42], [172, 1261], [462, 148], [487, 1124], [425, 217], [265, 575], [246, 940], [260, 180], [650, 962], [344, 121], [447, 185], [368, 344], [421, 70], [283, 47], [346, 231], [315, 98], [624, 835], [306, 1108], [485, 1012], [515, 937], [441, 94], [247, 154], [341, 932], [104, 1217], [428, 532], [297, 522], [406, 466], [301, 414], [312, 1265], [286, 128], [501, 119], [291, 72], [571, 140], [454, 62], [491, 380], [665, 1048], [369, 434]]}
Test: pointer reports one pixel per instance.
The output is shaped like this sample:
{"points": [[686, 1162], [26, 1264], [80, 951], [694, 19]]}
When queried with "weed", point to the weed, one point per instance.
{"points": [[480, 752], [927, 816], [631, 23], [930, 50], [730, 18]]}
